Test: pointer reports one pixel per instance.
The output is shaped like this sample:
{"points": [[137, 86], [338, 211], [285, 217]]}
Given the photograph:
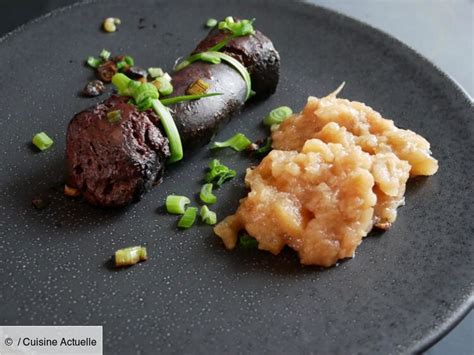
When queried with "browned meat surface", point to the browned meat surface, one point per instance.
{"points": [[256, 53], [113, 164]]}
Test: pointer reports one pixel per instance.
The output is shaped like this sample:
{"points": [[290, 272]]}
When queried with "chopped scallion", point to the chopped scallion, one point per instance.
{"points": [[277, 115], [121, 83], [163, 85], [219, 173], [93, 62], [237, 142], [42, 141], [114, 116], [208, 216], [240, 68], [237, 28], [212, 22], [155, 72], [145, 95], [208, 56], [176, 204], [130, 256], [265, 148], [129, 60], [177, 99], [166, 89], [142, 93], [188, 218], [105, 54], [198, 87], [206, 194], [171, 130], [247, 242], [121, 65], [110, 24]]}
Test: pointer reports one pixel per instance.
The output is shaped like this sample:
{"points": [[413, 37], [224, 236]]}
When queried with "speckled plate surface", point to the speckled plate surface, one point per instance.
{"points": [[404, 288]]}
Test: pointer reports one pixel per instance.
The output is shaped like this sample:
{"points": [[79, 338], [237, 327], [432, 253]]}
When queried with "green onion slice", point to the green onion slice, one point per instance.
{"points": [[105, 54], [237, 142], [265, 148], [277, 115], [206, 194], [240, 68], [93, 62], [145, 95], [166, 89], [130, 256], [42, 141], [114, 116], [122, 64], [209, 57], [219, 173], [164, 85], [212, 22], [177, 99], [129, 60], [176, 204], [188, 218], [155, 72], [143, 92], [215, 58], [237, 28], [171, 130], [121, 83], [247, 242], [208, 216]]}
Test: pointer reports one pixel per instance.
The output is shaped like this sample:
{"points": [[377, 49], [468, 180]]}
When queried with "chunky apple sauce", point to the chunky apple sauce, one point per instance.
{"points": [[337, 169]]}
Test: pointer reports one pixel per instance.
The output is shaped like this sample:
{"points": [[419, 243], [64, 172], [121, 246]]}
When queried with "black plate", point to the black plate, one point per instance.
{"points": [[402, 291]]}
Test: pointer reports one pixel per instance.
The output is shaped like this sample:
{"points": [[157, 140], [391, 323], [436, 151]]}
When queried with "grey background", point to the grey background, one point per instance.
{"points": [[442, 31]]}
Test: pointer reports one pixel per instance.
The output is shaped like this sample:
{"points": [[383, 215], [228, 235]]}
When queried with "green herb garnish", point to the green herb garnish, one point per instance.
{"points": [[208, 216], [42, 141], [237, 29], [215, 58], [105, 54], [206, 194], [176, 204], [129, 60], [199, 87], [247, 242], [219, 173], [265, 148], [209, 57], [163, 84], [145, 96], [212, 22], [130, 256], [188, 218], [155, 72], [237, 142], [94, 62], [277, 115], [114, 116], [177, 99]]}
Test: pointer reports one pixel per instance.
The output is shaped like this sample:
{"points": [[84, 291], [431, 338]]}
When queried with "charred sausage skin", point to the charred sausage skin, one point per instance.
{"points": [[256, 52], [197, 121], [113, 164]]}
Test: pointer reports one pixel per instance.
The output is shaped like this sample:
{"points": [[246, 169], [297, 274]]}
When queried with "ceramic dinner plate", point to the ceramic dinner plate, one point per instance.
{"points": [[404, 288]]}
